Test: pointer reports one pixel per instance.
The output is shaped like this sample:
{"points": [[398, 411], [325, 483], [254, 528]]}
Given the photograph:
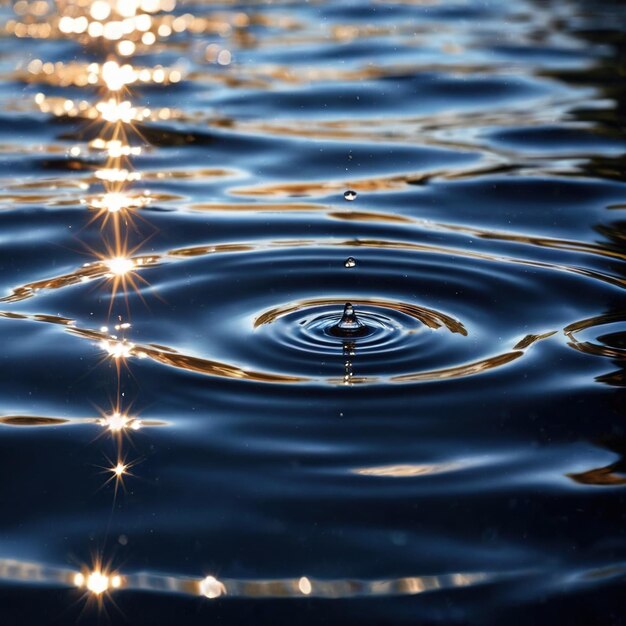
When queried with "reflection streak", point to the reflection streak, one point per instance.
{"points": [[99, 581], [102, 269]]}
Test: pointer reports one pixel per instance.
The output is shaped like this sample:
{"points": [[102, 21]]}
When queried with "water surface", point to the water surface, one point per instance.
{"points": [[176, 254]]}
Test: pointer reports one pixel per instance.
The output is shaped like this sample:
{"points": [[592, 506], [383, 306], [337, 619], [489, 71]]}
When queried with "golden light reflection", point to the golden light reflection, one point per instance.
{"points": [[120, 469], [33, 420], [119, 350], [118, 208], [118, 422], [111, 109], [409, 471], [117, 472], [110, 267], [126, 24], [116, 202], [100, 580], [116, 76], [121, 268], [605, 476], [115, 148], [121, 424], [210, 587], [117, 175], [115, 422], [121, 27], [115, 206], [304, 585], [97, 581]]}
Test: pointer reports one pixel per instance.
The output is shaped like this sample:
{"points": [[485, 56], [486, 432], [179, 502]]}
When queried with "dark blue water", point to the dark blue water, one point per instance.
{"points": [[176, 254]]}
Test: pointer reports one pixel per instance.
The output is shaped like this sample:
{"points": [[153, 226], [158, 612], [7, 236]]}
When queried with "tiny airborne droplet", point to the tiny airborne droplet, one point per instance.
{"points": [[350, 262], [350, 195]]}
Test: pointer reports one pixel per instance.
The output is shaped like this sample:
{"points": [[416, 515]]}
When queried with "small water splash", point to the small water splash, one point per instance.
{"points": [[349, 325], [350, 195]]}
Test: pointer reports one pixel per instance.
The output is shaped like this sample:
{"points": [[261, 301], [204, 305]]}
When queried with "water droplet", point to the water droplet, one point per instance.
{"points": [[350, 262], [350, 195], [349, 325]]}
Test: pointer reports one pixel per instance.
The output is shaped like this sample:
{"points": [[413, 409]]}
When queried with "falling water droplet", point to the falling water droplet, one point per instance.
{"points": [[350, 195], [350, 262], [349, 325]]}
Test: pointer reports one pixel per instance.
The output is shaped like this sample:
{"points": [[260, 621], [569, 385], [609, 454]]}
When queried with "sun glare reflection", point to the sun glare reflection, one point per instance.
{"points": [[112, 123], [116, 202], [97, 582], [117, 472], [117, 349], [117, 175], [119, 266], [120, 469], [117, 422]]}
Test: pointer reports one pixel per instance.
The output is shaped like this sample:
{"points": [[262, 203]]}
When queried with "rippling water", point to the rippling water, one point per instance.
{"points": [[192, 192]]}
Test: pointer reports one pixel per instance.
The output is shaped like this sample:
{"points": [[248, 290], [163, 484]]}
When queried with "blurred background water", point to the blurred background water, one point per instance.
{"points": [[178, 415]]}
